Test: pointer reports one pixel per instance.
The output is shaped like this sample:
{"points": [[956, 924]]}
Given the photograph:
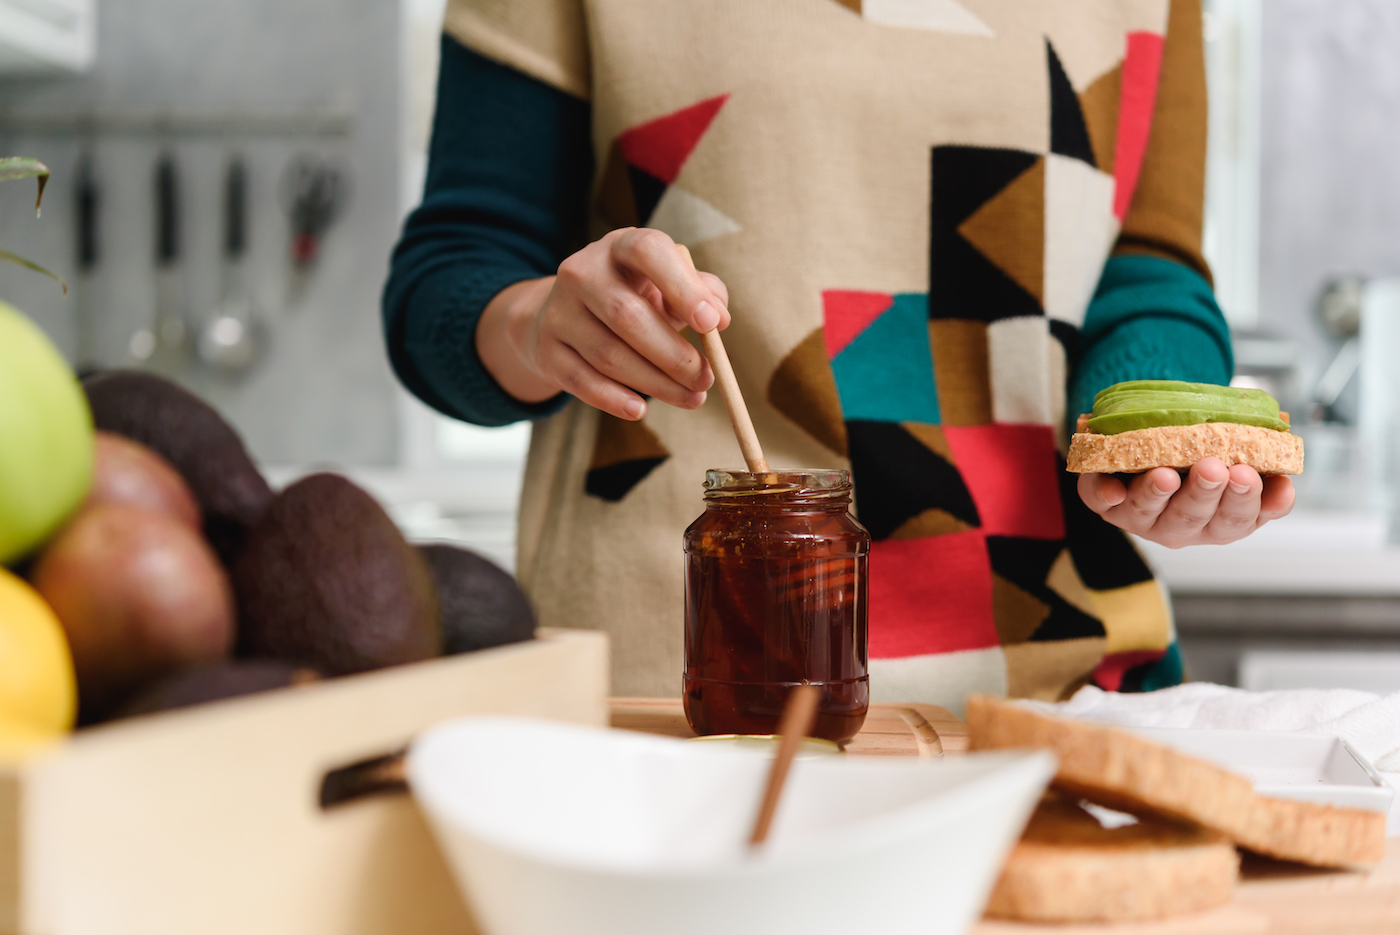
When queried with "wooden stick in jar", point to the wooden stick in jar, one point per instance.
{"points": [[799, 715], [729, 391]]}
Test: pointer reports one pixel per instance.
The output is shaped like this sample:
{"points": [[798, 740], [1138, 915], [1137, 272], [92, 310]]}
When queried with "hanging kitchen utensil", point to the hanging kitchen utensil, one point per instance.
{"points": [[232, 335], [1339, 311], [314, 195], [86, 201], [165, 346]]}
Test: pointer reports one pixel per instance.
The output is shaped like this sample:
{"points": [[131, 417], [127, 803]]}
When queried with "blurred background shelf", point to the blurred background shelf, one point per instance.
{"points": [[1313, 594], [147, 121], [1311, 552]]}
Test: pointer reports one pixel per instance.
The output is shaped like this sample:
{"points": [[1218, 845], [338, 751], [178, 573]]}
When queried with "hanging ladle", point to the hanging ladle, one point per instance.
{"points": [[230, 340]]}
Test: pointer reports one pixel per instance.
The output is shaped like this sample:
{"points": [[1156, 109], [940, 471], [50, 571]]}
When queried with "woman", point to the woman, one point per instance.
{"points": [[940, 228]]}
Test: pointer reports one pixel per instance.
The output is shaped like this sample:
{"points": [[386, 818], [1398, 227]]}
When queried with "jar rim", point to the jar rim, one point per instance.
{"points": [[787, 483]]}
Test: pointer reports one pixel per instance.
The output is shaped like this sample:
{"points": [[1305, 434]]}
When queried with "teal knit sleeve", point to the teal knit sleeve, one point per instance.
{"points": [[1150, 319], [505, 200]]}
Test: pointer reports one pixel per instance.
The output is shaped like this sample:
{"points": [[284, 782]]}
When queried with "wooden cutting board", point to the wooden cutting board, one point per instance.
{"points": [[1272, 898], [921, 730]]}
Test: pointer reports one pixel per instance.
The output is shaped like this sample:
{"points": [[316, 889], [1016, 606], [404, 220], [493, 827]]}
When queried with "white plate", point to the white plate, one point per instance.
{"points": [[1308, 767]]}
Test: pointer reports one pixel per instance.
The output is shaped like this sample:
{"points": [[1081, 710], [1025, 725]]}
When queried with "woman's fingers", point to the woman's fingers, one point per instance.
{"points": [[1238, 512], [613, 358], [653, 295], [578, 378], [628, 315], [653, 255], [1136, 507], [1101, 492], [1211, 504], [1193, 508], [716, 285], [1148, 496], [1277, 498], [609, 332]]}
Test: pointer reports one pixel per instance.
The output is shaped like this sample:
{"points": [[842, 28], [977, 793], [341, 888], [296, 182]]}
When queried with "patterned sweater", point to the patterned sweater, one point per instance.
{"points": [[938, 222]]}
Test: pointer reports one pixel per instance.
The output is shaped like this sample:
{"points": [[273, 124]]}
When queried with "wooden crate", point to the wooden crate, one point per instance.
{"points": [[209, 819]]}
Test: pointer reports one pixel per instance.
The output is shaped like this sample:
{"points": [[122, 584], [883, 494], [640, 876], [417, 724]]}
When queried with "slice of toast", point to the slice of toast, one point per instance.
{"points": [[1268, 451], [1126, 772], [1068, 867]]}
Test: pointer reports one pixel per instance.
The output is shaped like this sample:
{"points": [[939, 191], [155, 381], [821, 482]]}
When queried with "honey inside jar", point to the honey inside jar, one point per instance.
{"points": [[776, 595]]}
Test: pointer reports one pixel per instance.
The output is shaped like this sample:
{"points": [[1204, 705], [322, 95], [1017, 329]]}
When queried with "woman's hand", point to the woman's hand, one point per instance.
{"points": [[607, 327], [1213, 505]]}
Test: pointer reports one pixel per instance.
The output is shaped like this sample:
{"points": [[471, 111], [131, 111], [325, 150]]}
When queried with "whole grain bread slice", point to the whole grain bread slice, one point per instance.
{"points": [[1268, 451], [1123, 771], [1068, 867]]}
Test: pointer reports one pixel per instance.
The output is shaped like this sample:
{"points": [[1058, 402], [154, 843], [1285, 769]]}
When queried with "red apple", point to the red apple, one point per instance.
{"points": [[140, 594], [128, 472]]}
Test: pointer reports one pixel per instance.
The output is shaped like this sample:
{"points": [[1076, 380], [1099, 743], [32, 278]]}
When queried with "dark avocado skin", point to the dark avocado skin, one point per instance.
{"points": [[481, 603], [326, 580], [189, 434], [229, 679]]}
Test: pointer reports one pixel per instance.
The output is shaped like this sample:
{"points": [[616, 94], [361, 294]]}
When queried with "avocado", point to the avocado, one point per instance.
{"points": [[481, 604], [228, 679], [1144, 404], [189, 434], [326, 580]]}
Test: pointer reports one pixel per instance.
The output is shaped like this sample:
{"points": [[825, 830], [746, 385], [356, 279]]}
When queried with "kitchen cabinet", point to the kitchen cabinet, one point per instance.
{"points": [[47, 35], [1309, 552], [1317, 581], [1217, 629]]}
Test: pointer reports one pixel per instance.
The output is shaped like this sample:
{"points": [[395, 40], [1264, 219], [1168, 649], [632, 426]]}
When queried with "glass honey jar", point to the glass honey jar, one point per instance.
{"points": [[776, 594]]}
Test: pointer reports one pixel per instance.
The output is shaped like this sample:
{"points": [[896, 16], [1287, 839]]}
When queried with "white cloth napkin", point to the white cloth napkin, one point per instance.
{"points": [[1370, 723]]}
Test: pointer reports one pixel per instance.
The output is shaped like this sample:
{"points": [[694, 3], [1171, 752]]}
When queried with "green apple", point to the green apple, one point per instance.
{"points": [[45, 437]]}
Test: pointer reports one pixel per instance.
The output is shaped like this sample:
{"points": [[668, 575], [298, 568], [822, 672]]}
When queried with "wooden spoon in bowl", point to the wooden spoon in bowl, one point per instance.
{"points": [[799, 715]]}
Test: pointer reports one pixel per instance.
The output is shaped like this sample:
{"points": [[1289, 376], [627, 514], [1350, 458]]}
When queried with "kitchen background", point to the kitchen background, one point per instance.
{"points": [[327, 103]]}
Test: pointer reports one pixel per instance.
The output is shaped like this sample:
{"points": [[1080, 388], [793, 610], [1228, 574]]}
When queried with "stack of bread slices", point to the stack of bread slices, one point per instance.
{"points": [[1178, 856]]}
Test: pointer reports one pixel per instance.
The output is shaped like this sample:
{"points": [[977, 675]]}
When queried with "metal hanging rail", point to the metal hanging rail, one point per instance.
{"points": [[333, 123]]}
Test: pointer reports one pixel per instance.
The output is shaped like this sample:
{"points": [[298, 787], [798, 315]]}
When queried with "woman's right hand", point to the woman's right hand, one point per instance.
{"points": [[607, 327]]}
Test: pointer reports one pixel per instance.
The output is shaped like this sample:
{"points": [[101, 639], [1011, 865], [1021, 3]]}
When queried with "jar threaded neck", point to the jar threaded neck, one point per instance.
{"points": [[778, 487]]}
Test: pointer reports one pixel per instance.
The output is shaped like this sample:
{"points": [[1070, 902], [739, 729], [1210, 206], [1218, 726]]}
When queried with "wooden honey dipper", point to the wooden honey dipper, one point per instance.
{"points": [[799, 717], [729, 391]]}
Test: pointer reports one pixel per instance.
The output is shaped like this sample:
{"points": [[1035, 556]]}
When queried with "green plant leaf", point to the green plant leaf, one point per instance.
{"points": [[22, 167], [16, 258]]}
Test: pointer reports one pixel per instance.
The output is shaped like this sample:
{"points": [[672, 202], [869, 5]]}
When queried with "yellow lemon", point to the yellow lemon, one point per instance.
{"points": [[37, 685], [20, 740]]}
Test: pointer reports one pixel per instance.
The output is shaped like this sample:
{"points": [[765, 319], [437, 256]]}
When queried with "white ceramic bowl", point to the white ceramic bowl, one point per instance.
{"points": [[554, 829]]}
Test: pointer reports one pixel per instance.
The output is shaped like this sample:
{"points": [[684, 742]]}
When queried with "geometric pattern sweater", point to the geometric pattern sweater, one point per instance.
{"points": [[914, 204]]}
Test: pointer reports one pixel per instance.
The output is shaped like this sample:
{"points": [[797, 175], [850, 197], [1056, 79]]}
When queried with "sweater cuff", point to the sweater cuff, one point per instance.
{"points": [[443, 366], [1150, 319]]}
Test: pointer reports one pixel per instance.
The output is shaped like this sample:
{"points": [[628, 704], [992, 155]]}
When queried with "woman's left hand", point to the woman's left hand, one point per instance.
{"points": [[1213, 504]]}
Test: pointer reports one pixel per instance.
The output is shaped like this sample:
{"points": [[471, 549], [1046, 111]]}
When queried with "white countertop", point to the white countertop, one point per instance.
{"points": [[1314, 552], [471, 507]]}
